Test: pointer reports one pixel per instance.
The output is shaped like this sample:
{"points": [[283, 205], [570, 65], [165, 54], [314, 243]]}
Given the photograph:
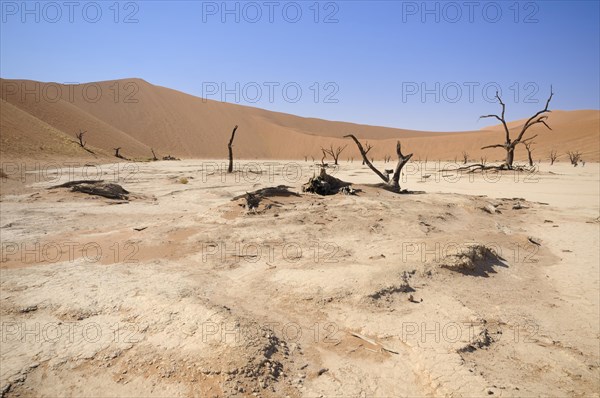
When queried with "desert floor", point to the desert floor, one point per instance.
{"points": [[181, 291]]}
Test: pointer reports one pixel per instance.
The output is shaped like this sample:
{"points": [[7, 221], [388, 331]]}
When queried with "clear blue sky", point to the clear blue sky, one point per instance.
{"points": [[370, 60]]}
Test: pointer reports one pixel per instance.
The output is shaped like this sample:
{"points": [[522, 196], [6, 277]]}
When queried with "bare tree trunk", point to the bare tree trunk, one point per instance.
{"points": [[529, 155], [334, 152], [229, 146], [79, 136], [394, 182], [510, 156], [509, 144]]}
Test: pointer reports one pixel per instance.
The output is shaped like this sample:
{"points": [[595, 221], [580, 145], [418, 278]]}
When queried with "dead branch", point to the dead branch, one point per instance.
{"points": [[117, 154], [334, 153], [230, 148], [553, 156], [574, 157], [79, 136], [528, 143], [509, 145], [97, 187], [402, 160], [368, 147]]}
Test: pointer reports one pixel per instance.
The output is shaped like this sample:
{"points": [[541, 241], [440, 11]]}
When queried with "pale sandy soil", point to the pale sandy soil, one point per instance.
{"points": [[210, 300]]}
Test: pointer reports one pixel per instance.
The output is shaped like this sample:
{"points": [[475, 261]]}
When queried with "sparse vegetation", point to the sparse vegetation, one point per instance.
{"points": [[394, 182], [510, 144], [79, 136], [528, 145], [553, 156], [117, 153], [465, 157], [574, 157], [334, 152], [230, 148]]}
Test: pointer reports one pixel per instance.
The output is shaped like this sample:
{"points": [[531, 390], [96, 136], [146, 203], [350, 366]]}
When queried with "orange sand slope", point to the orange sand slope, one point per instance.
{"points": [[40, 120]]}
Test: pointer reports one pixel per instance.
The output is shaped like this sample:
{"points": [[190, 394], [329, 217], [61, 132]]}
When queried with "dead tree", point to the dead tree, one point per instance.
{"points": [[574, 157], [368, 147], [79, 136], [230, 147], [154, 158], [117, 154], [528, 144], [334, 153], [387, 158], [394, 182], [509, 145], [553, 157], [465, 156]]}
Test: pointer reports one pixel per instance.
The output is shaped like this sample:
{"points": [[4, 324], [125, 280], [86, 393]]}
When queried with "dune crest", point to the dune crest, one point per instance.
{"points": [[40, 119]]}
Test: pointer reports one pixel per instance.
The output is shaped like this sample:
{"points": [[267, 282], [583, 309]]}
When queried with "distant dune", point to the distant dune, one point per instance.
{"points": [[39, 120]]}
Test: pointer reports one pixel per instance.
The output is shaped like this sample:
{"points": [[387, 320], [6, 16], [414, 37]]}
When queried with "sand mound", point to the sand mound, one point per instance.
{"points": [[174, 123]]}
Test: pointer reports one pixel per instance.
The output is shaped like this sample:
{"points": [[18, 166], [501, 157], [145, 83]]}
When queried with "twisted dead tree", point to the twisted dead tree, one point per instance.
{"points": [[154, 158], [117, 154], [79, 136], [81, 142], [510, 145], [334, 153], [368, 147], [528, 143], [553, 156], [392, 183], [465, 156], [230, 147], [574, 157]]}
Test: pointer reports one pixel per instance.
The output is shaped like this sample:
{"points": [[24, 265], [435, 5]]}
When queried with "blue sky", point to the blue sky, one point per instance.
{"points": [[419, 65]]}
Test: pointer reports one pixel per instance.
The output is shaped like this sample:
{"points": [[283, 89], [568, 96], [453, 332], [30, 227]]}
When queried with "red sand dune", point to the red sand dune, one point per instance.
{"points": [[39, 120]]}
